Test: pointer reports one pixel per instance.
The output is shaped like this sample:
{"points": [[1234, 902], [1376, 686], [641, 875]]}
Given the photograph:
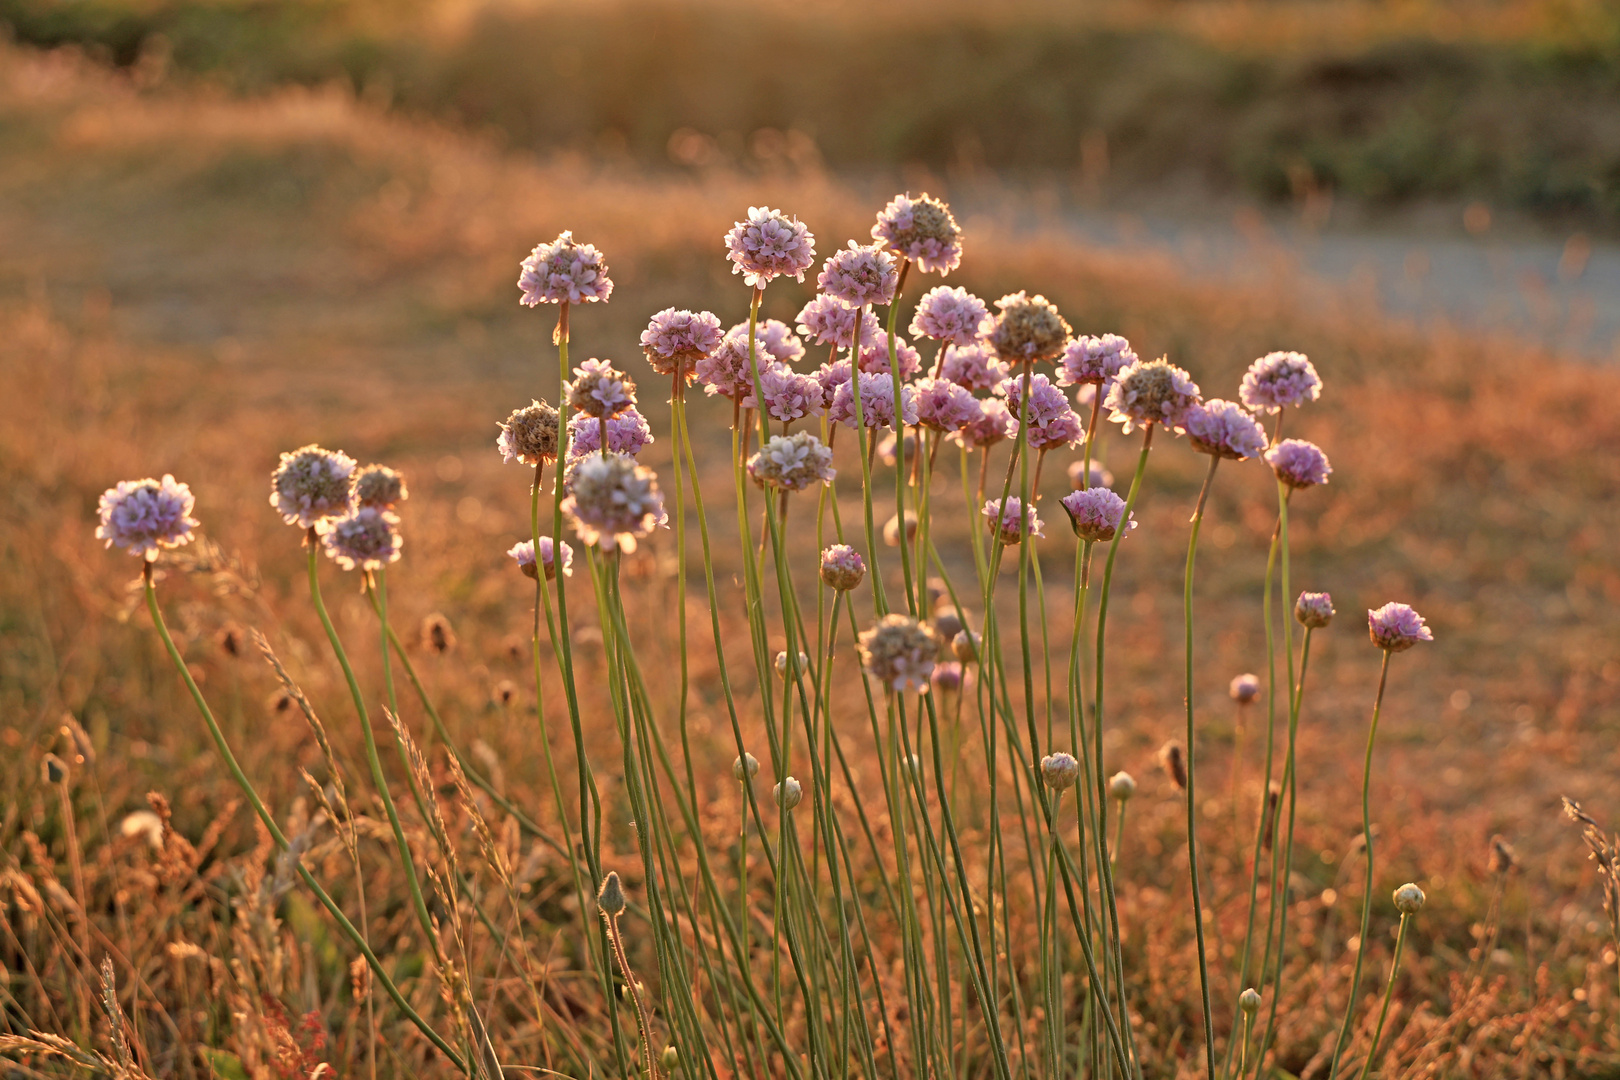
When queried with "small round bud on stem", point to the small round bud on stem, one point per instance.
{"points": [[1122, 786], [782, 663], [610, 898], [1249, 1001], [1245, 689], [965, 645], [1059, 770], [745, 768], [670, 1058], [1314, 609], [788, 793], [1409, 899]]}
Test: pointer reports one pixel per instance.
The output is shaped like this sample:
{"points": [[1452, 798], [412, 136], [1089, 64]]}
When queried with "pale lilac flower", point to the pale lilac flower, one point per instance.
{"points": [[379, 486], [627, 434], [787, 394], [830, 377], [675, 340], [779, 340], [1006, 522], [791, 462], [842, 567], [769, 245], [860, 275], [1298, 463], [1396, 627], [1094, 359], [1280, 379], [974, 367], [993, 424], [524, 553], [1059, 770], [1099, 476], [922, 230], [1028, 328], [1151, 392], [830, 321], [875, 356], [1244, 689], [600, 389], [949, 676], [725, 371], [365, 539], [1052, 423], [1225, 429], [144, 516], [563, 272], [943, 405], [1314, 609], [529, 435], [1096, 513], [899, 652], [612, 501], [952, 315], [311, 485], [877, 403]]}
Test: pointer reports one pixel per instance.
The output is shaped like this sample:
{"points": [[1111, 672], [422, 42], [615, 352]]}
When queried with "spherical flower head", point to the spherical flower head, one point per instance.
{"points": [[943, 405], [1225, 429], [1059, 770], [974, 367], [922, 230], [1396, 627], [1314, 609], [1151, 392], [1009, 522], [899, 652], [780, 342], [379, 486], [1244, 688], [1122, 785], [860, 275], [1094, 360], [563, 272], [312, 485], [145, 516], [1052, 423], [951, 315], [891, 529], [600, 389], [1298, 463], [526, 551], [1095, 475], [842, 567], [745, 768], [875, 356], [830, 321], [529, 435], [1028, 328], [785, 394], [788, 794], [829, 377], [1409, 899], [610, 897], [675, 340], [725, 372], [1280, 379], [781, 663], [612, 501], [1096, 513], [877, 402], [948, 676], [365, 539], [1249, 1001], [627, 432], [965, 646], [769, 245], [791, 462], [993, 424]]}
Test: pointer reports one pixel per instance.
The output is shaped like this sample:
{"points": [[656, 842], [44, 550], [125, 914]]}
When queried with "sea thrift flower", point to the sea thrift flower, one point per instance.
{"points": [[1096, 513], [1409, 899], [365, 539], [875, 356], [860, 275], [943, 405], [769, 245], [379, 486], [952, 315], [525, 552], [1028, 328], [600, 389], [788, 793], [922, 230], [948, 676], [1151, 392], [993, 424], [787, 395], [791, 462], [1396, 627], [974, 367], [1299, 464], [675, 340], [877, 403], [745, 768], [627, 434], [899, 653], [1280, 379], [311, 485], [1094, 360], [830, 321], [563, 272], [1059, 770], [1006, 521], [1244, 688], [779, 340], [1314, 609], [612, 501], [1224, 429], [1097, 477], [145, 516], [842, 567], [829, 377], [1052, 423], [1122, 785], [529, 435]]}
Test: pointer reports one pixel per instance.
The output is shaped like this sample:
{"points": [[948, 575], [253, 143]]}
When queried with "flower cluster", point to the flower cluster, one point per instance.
{"points": [[312, 485], [877, 402], [1298, 463], [922, 230], [612, 501], [992, 424], [785, 394], [379, 486], [830, 321], [860, 275], [1096, 513], [1314, 609], [842, 567], [1151, 392], [524, 553], [1396, 627], [791, 462], [1052, 423], [875, 356], [1009, 522], [1028, 328], [951, 315], [365, 539], [675, 340], [1224, 429], [529, 435], [769, 245], [145, 516], [600, 389], [1278, 380], [945, 406], [899, 652], [1094, 360], [563, 272], [974, 367], [627, 433]]}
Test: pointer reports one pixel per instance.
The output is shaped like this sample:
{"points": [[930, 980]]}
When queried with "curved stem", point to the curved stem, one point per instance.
{"points": [[1389, 992]]}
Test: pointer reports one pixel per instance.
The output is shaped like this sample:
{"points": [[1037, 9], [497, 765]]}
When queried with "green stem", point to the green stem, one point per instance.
{"points": [[1389, 992], [1192, 774]]}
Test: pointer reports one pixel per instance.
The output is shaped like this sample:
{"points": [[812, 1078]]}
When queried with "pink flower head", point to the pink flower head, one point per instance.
{"points": [[627, 434], [1314, 609], [943, 405], [1096, 513], [875, 356], [675, 340], [563, 272], [1052, 423], [830, 321], [769, 245], [600, 389], [365, 539], [612, 501], [877, 402], [949, 676], [1396, 627], [780, 341], [312, 485], [1244, 689], [524, 553], [725, 371], [1008, 522], [791, 462], [379, 486], [829, 377], [842, 567], [1225, 429], [787, 395], [922, 230], [1094, 359], [860, 275], [993, 424], [1028, 328], [1298, 463], [974, 367], [1151, 392], [951, 315], [1278, 380], [899, 652], [144, 516]]}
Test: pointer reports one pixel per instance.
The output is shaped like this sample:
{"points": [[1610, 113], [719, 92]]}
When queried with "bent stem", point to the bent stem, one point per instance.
{"points": [[1192, 773]]}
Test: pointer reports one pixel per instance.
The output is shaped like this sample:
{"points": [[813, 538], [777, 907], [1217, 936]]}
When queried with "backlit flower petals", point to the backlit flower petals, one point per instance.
{"points": [[769, 245], [1225, 429], [1298, 463], [860, 275], [145, 516], [1278, 380], [563, 272], [1396, 627]]}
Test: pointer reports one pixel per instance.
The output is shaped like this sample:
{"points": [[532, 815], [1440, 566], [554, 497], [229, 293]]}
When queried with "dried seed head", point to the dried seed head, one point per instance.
{"points": [[1174, 761], [1059, 770], [1122, 785], [1503, 858], [529, 435], [436, 634], [610, 897], [745, 768], [379, 486], [1409, 899], [1028, 328], [311, 485], [54, 770]]}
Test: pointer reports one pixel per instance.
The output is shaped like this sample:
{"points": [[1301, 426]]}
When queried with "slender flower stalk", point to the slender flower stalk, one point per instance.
{"points": [[1408, 901]]}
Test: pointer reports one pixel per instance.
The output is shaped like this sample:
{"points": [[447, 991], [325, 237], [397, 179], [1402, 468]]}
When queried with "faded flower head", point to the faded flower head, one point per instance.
{"points": [[842, 567], [974, 367], [860, 275], [1009, 522], [529, 435], [311, 485], [1298, 463], [1409, 899], [1096, 513], [1244, 689], [1280, 379], [612, 501], [922, 230], [943, 405], [600, 389], [1151, 392], [1096, 475], [526, 551], [563, 272], [875, 356], [1059, 770], [1396, 627], [769, 245], [379, 486], [788, 793], [993, 424], [877, 402], [745, 767], [951, 315], [365, 539], [1224, 429], [1122, 785], [145, 516], [1314, 609], [675, 340], [792, 462], [1052, 422], [1028, 328], [830, 321], [627, 433], [1094, 360], [436, 634], [899, 653], [1173, 759]]}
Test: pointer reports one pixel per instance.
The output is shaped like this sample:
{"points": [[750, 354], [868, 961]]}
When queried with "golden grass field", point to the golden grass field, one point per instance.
{"points": [[192, 283]]}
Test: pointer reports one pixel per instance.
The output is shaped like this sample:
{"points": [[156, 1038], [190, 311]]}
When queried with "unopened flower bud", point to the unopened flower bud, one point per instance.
{"points": [[610, 898], [670, 1058], [1314, 609], [788, 793], [966, 646], [1408, 899], [745, 768], [1249, 1001], [782, 663], [1122, 786], [1059, 770]]}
